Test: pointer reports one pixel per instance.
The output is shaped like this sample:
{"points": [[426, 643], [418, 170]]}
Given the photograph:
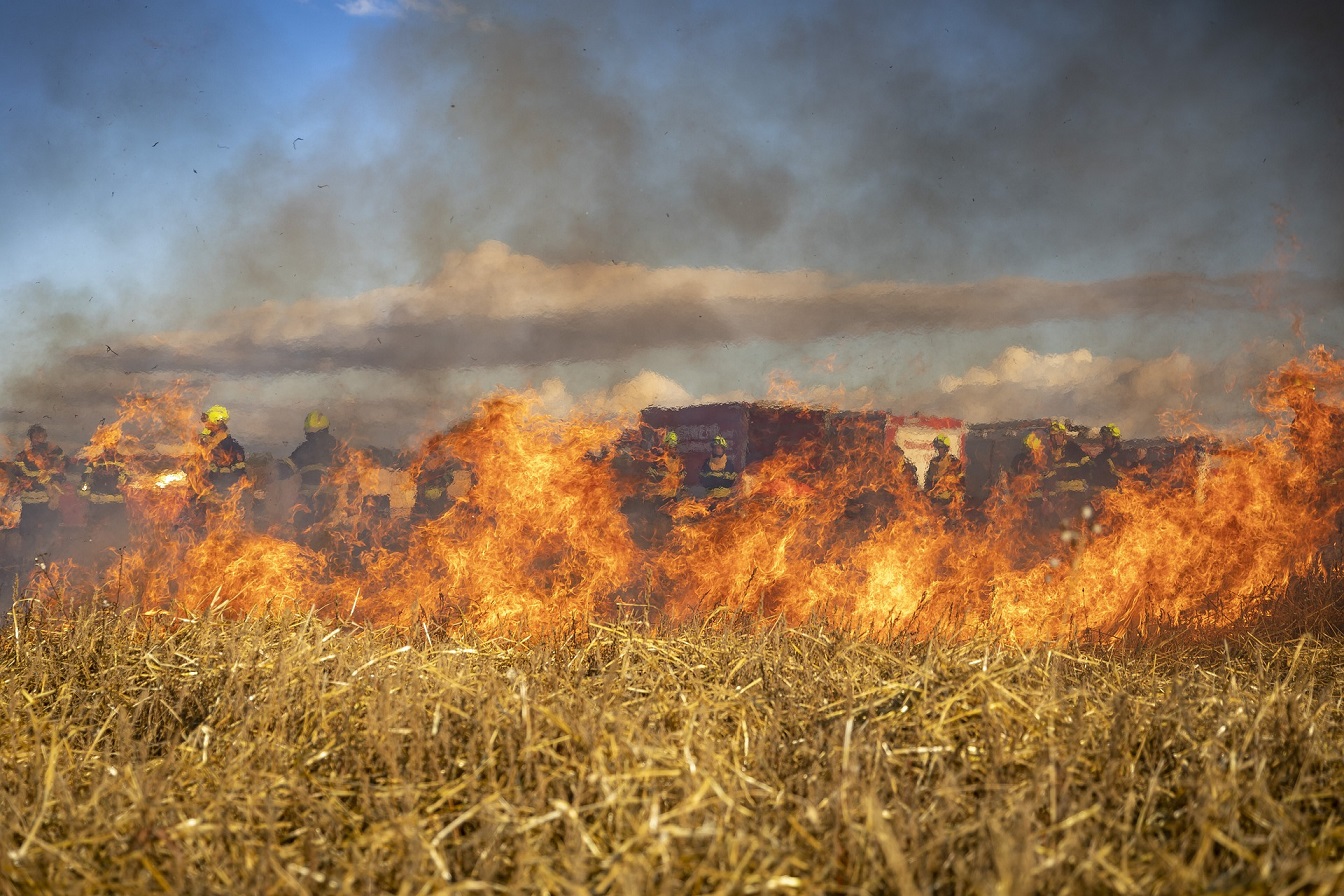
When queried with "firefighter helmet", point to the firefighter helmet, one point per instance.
{"points": [[217, 414], [720, 440], [670, 440], [1032, 442], [316, 421], [1058, 426], [943, 441], [1296, 382], [1110, 429]]}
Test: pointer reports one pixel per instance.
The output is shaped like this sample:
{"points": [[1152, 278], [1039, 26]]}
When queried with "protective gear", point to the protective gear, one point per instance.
{"points": [[1067, 474], [39, 473], [105, 478], [945, 480], [942, 440], [1111, 429], [1296, 381], [1058, 426], [670, 440], [720, 440], [1032, 442], [217, 414], [315, 455], [316, 421], [718, 475]]}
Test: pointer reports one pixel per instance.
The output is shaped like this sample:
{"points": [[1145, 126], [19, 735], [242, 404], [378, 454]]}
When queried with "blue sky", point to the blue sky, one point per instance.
{"points": [[1159, 186]]}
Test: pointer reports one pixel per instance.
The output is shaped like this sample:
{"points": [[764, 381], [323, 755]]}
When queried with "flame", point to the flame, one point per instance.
{"points": [[543, 527], [176, 477]]}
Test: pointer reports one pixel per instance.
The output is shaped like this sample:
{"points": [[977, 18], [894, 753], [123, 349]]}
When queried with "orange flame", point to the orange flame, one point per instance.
{"points": [[538, 531]]}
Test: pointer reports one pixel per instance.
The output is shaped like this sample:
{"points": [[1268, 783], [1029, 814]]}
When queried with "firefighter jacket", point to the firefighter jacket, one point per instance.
{"points": [[945, 479], [910, 473], [718, 475], [1067, 468], [226, 462], [433, 489], [318, 452], [104, 478], [1026, 476], [40, 473], [664, 475], [1105, 472]]}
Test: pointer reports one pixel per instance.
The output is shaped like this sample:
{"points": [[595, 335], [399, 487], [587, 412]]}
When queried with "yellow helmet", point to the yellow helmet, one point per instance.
{"points": [[943, 440], [1058, 426], [316, 421], [217, 414], [1111, 429], [1032, 442], [720, 440], [1296, 381], [670, 440]]}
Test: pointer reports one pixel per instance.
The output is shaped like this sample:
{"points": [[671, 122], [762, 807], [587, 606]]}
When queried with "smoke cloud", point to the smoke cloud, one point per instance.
{"points": [[480, 196]]}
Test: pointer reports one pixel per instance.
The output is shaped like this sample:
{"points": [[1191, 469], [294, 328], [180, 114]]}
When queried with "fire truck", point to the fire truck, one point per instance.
{"points": [[759, 430]]}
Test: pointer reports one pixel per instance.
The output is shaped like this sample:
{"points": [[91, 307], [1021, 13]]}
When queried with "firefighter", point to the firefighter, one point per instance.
{"points": [[909, 472], [1025, 474], [225, 460], [40, 472], [104, 485], [1106, 467], [1068, 468], [665, 473], [718, 474], [659, 484], [312, 461], [433, 486], [945, 480]]}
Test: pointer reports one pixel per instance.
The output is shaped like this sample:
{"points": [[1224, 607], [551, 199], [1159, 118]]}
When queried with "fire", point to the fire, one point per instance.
{"points": [[176, 477], [529, 524]]}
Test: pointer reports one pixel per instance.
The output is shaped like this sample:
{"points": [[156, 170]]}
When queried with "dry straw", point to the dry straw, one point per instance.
{"points": [[198, 755]]}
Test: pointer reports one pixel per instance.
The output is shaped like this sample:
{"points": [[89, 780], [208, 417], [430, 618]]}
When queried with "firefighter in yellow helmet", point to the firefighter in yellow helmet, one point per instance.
{"points": [[1025, 474], [312, 461], [225, 460], [39, 470], [436, 479], [1106, 466], [718, 474], [1068, 469], [659, 480], [945, 480], [665, 471]]}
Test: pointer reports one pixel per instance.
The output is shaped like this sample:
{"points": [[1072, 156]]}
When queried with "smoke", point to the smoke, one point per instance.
{"points": [[883, 141], [489, 195], [493, 307]]}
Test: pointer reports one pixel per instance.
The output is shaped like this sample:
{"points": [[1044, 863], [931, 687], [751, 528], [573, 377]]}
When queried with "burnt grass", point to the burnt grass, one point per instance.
{"points": [[160, 754]]}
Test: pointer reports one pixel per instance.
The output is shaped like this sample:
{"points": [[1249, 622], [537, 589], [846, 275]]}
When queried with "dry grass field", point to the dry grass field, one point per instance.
{"points": [[197, 755]]}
